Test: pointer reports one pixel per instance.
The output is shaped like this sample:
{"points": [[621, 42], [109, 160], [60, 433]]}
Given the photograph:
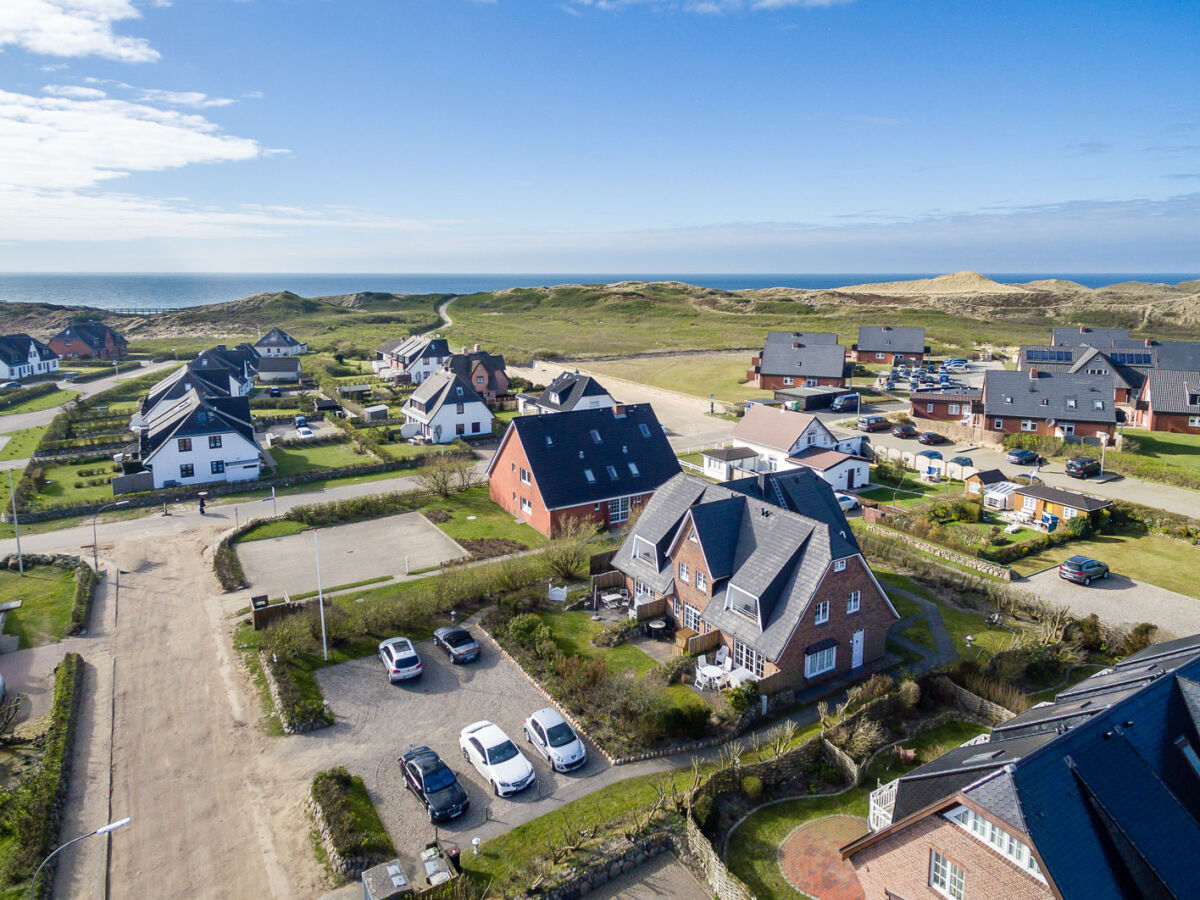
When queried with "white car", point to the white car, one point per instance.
{"points": [[496, 758], [555, 740], [304, 432], [846, 502], [400, 659]]}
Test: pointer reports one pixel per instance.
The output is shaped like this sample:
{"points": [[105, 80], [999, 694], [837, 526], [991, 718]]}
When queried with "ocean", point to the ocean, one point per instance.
{"points": [[175, 291]]}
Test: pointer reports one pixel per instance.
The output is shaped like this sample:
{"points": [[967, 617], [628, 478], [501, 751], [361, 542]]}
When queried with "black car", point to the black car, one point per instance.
{"points": [[904, 431], [1083, 467], [274, 392], [1082, 569], [457, 642], [432, 782], [930, 437]]}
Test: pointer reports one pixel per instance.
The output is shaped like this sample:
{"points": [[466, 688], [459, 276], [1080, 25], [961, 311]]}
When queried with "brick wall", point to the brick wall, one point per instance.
{"points": [[1012, 425], [890, 359], [900, 864], [776, 382], [1171, 422], [506, 488]]}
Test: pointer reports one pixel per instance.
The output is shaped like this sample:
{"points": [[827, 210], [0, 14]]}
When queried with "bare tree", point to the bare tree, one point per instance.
{"points": [[9, 710], [566, 555], [439, 476]]}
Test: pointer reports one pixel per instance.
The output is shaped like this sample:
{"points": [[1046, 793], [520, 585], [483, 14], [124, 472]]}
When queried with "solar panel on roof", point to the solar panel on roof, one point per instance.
{"points": [[1048, 355], [1131, 359]]}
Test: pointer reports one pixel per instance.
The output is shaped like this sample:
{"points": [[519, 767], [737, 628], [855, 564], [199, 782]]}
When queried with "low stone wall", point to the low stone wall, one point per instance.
{"points": [[996, 570], [351, 868], [610, 866], [273, 690]]}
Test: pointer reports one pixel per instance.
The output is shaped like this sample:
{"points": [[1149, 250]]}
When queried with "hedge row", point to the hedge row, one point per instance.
{"points": [[354, 826], [300, 712], [226, 565], [33, 813], [85, 592], [16, 396]]}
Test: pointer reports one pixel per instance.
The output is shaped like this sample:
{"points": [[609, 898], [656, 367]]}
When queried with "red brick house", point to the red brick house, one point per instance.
{"points": [[600, 465], [889, 345], [1092, 796], [1056, 404], [799, 358], [945, 406], [1170, 401], [483, 371], [89, 340], [767, 567]]}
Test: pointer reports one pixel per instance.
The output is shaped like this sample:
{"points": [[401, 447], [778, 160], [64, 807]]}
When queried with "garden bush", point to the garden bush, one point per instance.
{"points": [[81, 604], [742, 697], [615, 634], [752, 787], [355, 829]]}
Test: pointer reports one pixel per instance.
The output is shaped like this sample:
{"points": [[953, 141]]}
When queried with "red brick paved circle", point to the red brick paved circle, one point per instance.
{"points": [[811, 863]]}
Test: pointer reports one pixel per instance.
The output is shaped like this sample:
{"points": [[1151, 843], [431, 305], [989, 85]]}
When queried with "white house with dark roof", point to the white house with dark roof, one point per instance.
{"points": [[445, 407], [22, 357], [200, 440], [780, 437], [412, 359], [568, 392], [278, 342]]}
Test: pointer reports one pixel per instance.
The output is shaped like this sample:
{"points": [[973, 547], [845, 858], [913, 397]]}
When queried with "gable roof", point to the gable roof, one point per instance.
{"points": [[279, 364], [1171, 392], [277, 337], [802, 354], [762, 546], [728, 454], [1091, 337], [440, 388], [193, 415], [773, 426], [1106, 794], [410, 349], [1049, 395], [989, 476], [632, 455], [92, 333], [891, 339], [14, 349], [821, 458], [208, 382], [1064, 497], [463, 364], [567, 389]]}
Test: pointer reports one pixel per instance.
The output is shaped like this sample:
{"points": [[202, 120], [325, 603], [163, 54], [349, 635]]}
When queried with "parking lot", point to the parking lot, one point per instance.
{"points": [[287, 431], [1117, 599], [349, 554], [378, 721]]}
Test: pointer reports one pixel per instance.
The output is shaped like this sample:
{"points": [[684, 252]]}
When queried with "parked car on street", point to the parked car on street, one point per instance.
{"points": [[432, 782], [1083, 467], [549, 732], [872, 423], [1082, 569], [962, 460], [847, 501], [844, 403], [496, 758], [930, 437], [1022, 457], [400, 659], [904, 431], [930, 454], [274, 392], [457, 642]]}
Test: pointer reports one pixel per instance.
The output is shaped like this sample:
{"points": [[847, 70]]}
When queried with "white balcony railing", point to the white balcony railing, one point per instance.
{"points": [[883, 801], [978, 739]]}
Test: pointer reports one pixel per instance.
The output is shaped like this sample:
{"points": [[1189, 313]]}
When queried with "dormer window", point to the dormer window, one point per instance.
{"points": [[1045, 401], [1071, 403], [612, 473], [554, 399], [596, 439], [646, 551], [742, 602], [1008, 399], [645, 429], [1099, 404]]}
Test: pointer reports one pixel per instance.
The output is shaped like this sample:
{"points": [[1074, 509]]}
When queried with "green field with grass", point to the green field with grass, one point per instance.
{"points": [[46, 594], [298, 458], [919, 632], [1131, 552], [61, 480], [695, 373], [914, 492], [45, 401], [473, 517], [21, 444]]}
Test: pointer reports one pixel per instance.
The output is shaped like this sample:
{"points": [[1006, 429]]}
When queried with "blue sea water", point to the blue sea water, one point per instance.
{"points": [[174, 291]]}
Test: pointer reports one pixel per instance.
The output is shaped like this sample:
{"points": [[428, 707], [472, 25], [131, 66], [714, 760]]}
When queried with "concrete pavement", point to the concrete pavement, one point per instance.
{"points": [[1118, 599]]}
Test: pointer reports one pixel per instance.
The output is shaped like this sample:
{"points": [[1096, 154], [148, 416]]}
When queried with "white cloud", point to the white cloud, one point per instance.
{"points": [[192, 99], [74, 91], [73, 28]]}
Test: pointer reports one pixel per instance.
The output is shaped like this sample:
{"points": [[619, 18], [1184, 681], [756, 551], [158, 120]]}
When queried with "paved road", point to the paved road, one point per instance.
{"points": [[1118, 599]]}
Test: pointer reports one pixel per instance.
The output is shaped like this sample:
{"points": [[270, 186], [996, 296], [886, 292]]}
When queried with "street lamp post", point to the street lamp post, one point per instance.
{"points": [[103, 829], [1103, 448], [320, 596], [16, 527], [95, 543]]}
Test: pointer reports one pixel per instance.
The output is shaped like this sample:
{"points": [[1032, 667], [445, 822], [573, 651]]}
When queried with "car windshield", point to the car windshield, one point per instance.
{"points": [[458, 638], [438, 780], [560, 734], [501, 753], [406, 662], [1074, 564]]}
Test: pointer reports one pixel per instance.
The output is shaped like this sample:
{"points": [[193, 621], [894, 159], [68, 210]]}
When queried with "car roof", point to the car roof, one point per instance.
{"points": [[398, 641], [417, 753], [548, 717], [447, 630], [487, 733], [1079, 560]]}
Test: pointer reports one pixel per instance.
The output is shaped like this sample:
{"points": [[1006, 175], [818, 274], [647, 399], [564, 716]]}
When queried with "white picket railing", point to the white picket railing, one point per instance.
{"points": [[883, 801]]}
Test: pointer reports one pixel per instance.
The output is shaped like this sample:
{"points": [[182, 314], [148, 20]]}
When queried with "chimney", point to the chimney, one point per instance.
{"points": [[476, 348], [762, 484], [1033, 374], [618, 411], [1149, 342]]}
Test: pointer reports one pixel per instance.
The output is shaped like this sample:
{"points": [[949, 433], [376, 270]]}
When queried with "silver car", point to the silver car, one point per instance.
{"points": [[400, 659], [555, 740]]}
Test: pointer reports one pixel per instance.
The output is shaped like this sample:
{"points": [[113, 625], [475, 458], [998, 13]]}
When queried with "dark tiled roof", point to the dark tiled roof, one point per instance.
{"points": [[279, 364], [564, 392], [562, 448], [957, 395], [726, 454], [14, 349], [889, 339], [1063, 497], [208, 382], [440, 388], [193, 415], [1091, 337], [990, 476], [803, 355], [277, 337], [1172, 392], [415, 347], [462, 364], [1058, 396], [94, 334]]}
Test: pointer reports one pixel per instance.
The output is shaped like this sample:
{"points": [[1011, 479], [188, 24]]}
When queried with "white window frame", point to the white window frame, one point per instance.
{"points": [[854, 602], [1004, 843], [525, 479], [928, 407], [747, 658], [881, 356], [638, 542], [691, 617], [997, 424], [839, 565], [734, 594], [1029, 425], [701, 581], [618, 510], [1069, 512], [788, 380], [1193, 421], [684, 575], [820, 662], [1029, 504], [946, 877], [953, 409], [526, 506], [821, 613]]}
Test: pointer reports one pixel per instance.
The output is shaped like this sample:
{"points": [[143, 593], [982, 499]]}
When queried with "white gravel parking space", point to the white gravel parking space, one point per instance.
{"points": [[287, 431], [378, 721], [1118, 599], [349, 553]]}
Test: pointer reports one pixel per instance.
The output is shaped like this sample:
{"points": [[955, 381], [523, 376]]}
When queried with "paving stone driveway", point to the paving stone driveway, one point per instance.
{"points": [[1117, 599], [378, 721], [810, 860]]}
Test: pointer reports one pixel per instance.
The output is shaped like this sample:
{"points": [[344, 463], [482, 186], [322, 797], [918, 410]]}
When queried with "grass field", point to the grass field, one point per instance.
{"points": [[959, 622], [298, 458], [753, 853], [46, 593], [1177, 453], [1152, 558], [919, 632], [22, 443], [914, 492], [699, 374], [45, 401], [62, 477]]}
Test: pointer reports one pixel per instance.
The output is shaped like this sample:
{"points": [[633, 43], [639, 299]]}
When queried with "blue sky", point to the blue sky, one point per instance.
{"points": [[623, 136]]}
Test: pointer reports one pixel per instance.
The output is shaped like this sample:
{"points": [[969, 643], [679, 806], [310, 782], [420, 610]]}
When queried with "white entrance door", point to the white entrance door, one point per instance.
{"points": [[856, 649]]}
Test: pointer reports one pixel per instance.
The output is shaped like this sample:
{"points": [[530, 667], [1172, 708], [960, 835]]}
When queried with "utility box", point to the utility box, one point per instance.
{"points": [[386, 881]]}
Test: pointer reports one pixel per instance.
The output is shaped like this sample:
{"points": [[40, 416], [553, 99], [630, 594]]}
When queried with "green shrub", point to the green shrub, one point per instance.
{"points": [[522, 628], [702, 811], [1079, 527], [355, 829], [81, 605], [1139, 638], [752, 787], [742, 697]]}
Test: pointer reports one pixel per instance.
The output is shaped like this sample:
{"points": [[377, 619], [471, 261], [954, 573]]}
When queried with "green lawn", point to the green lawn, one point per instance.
{"points": [[21, 444], [296, 459], [45, 401], [1173, 452], [473, 516], [919, 632], [61, 479], [753, 853], [914, 492], [274, 529], [1152, 558], [46, 593], [958, 622], [700, 374]]}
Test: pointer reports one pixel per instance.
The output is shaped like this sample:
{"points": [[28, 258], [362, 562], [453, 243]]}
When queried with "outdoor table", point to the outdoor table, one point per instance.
{"points": [[656, 627], [711, 675], [739, 675], [611, 598]]}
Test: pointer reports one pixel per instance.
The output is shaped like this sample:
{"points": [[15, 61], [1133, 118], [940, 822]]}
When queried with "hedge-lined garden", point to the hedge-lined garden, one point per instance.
{"points": [[348, 822], [56, 595]]}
